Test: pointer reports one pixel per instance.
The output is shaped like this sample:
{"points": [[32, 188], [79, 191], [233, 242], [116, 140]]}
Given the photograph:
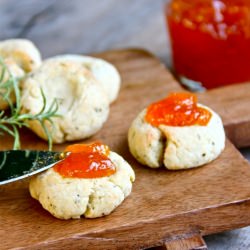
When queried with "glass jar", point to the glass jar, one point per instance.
{"points": [[210, 41]]}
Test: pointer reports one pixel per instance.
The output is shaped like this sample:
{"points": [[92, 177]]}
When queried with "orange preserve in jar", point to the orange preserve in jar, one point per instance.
{"points": [[210, 40]]}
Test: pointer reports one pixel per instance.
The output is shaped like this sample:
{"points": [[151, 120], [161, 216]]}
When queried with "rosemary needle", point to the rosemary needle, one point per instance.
{"points": [[11, 123]]}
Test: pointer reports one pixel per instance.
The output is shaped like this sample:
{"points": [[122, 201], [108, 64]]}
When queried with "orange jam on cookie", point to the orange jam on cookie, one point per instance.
{"points": [[86, 161], [178, 109]]}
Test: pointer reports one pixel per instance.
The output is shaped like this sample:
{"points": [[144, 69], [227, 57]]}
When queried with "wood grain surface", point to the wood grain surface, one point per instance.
{"points": [[163, 204], [83, 26], [231, 102], [192, 242]]}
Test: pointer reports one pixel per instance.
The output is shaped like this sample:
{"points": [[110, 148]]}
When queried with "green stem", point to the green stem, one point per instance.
{"points": [[11, 123]]}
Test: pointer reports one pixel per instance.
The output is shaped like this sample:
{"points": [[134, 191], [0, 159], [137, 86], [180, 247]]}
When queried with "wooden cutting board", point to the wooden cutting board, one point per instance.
{"points": [[166, 207]]}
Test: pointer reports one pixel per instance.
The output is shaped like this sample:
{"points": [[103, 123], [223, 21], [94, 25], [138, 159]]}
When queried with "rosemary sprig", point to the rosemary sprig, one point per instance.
{"points": [[15, 120]]}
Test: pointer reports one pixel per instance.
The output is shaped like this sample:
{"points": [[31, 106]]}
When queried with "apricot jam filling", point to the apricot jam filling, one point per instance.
{"points": [[86, 161], [177, 109]]}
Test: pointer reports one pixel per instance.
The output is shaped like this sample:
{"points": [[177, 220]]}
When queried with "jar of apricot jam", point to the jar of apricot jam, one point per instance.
{"points": [[210, 41]]}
